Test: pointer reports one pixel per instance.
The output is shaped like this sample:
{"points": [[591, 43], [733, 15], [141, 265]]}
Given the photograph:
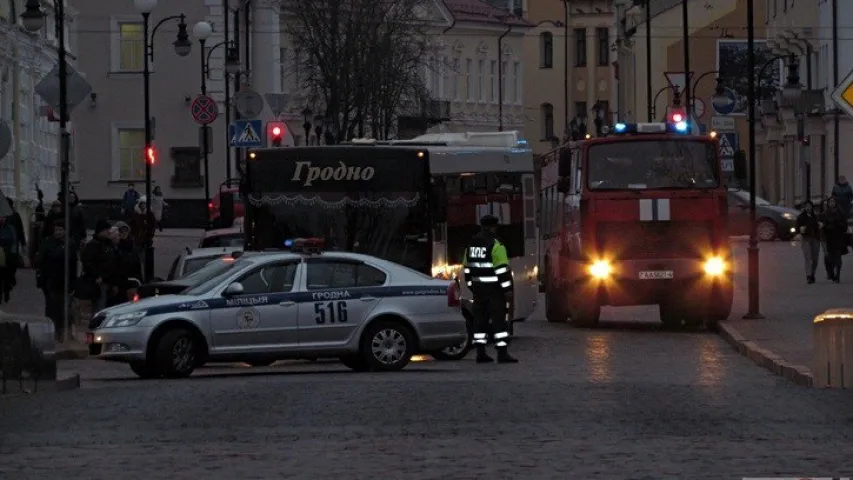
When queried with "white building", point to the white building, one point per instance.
{"points": [[24, 60]]}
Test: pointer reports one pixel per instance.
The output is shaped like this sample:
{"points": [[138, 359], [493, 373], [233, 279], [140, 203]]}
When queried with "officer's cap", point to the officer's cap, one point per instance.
{"points": [[489, 221]]}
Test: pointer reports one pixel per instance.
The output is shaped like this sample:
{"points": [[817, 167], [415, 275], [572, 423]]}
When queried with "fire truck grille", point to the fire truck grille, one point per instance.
{"points": [[641, 240]]}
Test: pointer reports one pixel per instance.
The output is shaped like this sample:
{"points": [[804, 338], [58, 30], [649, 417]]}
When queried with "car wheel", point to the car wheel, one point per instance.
{"points": [[176, 354], [260, 363], [388, 346], [456, 352], [767, 230], [144, 370], [355, 362]]}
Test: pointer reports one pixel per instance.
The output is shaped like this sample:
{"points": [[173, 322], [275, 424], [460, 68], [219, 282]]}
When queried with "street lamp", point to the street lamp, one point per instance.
{"points": [[182, 48], [318, 127], [306, 124], [33, 19], [232, 66], [202, 31], [232, 60]]}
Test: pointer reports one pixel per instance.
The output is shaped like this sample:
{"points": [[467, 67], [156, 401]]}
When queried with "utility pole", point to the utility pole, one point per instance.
{"points": [[649, 102], [688, 100], [835, 80], [753, 313]]}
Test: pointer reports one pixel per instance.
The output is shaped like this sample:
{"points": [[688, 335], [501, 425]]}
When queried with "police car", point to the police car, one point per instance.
{"points": [[191, 261], [370, 313]]}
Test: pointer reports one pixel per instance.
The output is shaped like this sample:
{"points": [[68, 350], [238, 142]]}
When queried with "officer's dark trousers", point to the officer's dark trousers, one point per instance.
{"points": [[490, 319]]}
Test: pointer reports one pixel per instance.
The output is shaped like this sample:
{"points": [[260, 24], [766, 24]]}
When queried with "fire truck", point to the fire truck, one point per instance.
{"points": [[637, 217]]}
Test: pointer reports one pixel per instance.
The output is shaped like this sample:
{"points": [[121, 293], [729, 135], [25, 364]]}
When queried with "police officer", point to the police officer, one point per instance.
{"points": [[490, 281]]}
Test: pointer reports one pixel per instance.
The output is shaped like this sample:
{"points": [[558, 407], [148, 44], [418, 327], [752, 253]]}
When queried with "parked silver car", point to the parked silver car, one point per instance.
{"points": [[371, 313]]}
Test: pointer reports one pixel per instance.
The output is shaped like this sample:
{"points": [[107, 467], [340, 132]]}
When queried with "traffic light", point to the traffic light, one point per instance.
{"points": [[275, 133], [151, 155]]}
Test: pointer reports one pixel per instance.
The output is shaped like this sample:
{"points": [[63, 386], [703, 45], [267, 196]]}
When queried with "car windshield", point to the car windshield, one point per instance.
{"points": [[195, 264], [743, 197], [215, 279], [652, 164], [229, 240]]}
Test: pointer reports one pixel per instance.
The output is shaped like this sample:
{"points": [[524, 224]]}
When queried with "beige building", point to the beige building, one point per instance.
{"points": [[109, 128], [570, 73], [474, 78]]}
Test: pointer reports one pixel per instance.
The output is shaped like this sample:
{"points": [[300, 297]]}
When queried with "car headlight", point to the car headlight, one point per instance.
{"points": [[715, 266], [788, 216], [124, 319], [600, 269]]}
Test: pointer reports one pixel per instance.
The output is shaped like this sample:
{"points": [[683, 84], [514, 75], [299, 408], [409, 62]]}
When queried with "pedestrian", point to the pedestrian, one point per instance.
{"points": [[842, 192], [8, 254], [53, 215], [17, 261], [142, 227], [129, 201], [809, 227], [834, 225], [488, 277], [50, 279], [158, 205], [100, 267], [130, 267], [77, 228]]}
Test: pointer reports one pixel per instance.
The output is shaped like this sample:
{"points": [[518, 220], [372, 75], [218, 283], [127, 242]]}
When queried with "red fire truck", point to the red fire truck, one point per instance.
{"points": [[637, 217]]}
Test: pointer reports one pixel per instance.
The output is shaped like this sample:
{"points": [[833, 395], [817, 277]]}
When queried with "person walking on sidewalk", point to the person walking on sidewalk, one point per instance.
{"points": [[834, 224], [8, 254], [842, 192], [158, 205], [809, 227], [101, 261], [49, 276], [129, 201]]}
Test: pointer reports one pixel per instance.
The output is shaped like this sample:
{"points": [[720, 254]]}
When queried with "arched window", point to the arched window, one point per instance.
{"points": [[547, 121], [546, 50]]}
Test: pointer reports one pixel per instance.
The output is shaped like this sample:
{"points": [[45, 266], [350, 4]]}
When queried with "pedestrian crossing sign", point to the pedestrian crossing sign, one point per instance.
{"points": [[728, 144], [246, 134]]}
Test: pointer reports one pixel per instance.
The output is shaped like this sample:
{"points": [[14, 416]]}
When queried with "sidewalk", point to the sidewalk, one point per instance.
{"points": [[782, 341]]}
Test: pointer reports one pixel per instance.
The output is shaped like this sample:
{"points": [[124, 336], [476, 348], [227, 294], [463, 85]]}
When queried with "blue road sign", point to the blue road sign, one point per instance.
{"points": [[246, 134], [726, 103]]}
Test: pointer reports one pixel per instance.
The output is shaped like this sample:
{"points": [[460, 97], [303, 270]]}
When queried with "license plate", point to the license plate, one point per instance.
{"points": [[90, 338], [656, 275]]}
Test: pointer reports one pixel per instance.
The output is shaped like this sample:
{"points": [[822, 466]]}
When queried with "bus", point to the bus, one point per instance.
{"points": [[415, 202], [636, 218]]}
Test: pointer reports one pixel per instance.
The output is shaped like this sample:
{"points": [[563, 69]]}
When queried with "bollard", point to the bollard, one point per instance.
{"points": [[832, 349]]}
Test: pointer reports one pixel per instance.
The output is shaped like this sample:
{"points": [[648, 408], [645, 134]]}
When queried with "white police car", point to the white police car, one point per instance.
{"points": [[371, 313]]}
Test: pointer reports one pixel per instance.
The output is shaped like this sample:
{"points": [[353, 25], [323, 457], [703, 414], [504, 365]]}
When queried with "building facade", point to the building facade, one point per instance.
{"points": [[109, 133], [571, 73], [25, 59], [473, 77]]}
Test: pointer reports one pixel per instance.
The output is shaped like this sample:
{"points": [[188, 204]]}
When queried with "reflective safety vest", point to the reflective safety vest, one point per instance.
{"points": [[487, 265]]}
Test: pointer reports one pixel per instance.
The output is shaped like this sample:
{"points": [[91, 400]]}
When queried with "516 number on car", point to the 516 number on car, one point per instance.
{"points": [[331, 312]]}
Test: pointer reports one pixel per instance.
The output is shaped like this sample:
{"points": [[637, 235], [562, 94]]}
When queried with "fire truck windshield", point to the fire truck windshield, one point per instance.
{"points": [[650, 164]]}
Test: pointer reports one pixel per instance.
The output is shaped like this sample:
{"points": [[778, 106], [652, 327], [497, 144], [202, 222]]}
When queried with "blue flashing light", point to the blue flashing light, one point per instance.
{"points": [[620, 127], [288, 243], [681, 127]]}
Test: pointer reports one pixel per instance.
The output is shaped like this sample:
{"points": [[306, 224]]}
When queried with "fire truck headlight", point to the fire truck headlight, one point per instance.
{"points": [[600, 269], [715, 266]]}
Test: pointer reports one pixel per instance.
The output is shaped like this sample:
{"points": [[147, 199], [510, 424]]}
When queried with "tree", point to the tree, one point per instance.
{"points": [[363, 60], [733, 70]]}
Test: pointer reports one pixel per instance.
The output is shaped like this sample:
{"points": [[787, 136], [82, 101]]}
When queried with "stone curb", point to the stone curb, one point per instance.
{"points": [[763, 357], [72, 353], [64, 384]]}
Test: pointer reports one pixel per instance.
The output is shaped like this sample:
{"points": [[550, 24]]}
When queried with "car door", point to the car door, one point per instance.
{"points": [[264, 316], [341, 293], [738, 215]]}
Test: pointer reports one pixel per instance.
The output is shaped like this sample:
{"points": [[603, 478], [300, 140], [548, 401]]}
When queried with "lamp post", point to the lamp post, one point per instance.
{"points": [[686, 33], [318, 127], [202, 31], [753, 311], [651, 105], [232, 67], [676, 100], [306, 124], [183, 46], [33, 20]]}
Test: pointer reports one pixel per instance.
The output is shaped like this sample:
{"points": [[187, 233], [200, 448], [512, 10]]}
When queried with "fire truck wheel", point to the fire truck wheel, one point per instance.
{"points": [[767, 230], [555, 308], [584, 313]]}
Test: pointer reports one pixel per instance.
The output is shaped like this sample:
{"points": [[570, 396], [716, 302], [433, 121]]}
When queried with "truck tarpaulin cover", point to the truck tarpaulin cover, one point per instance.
{"points": [[334, 177]]}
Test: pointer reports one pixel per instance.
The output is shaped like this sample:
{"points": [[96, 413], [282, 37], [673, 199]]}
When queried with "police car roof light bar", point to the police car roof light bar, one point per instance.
{"points": [[305, 245]]}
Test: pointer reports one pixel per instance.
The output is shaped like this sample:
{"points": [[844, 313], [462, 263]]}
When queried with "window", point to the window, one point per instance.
{"points": [[580, 109], [457, 74], [173, 269], [580, 47], [131, 47], [481, 79], [131, 157], [187, 167], [547, 121], [270, 279], [326, 274], [603, 35], [517, 82], [493, 80], [546, 50], [604, 111], [470, 95], [505, 83]]}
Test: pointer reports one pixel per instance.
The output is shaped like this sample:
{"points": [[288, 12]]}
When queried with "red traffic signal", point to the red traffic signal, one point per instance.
{"points": [[151, 155], [275, 133]]}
